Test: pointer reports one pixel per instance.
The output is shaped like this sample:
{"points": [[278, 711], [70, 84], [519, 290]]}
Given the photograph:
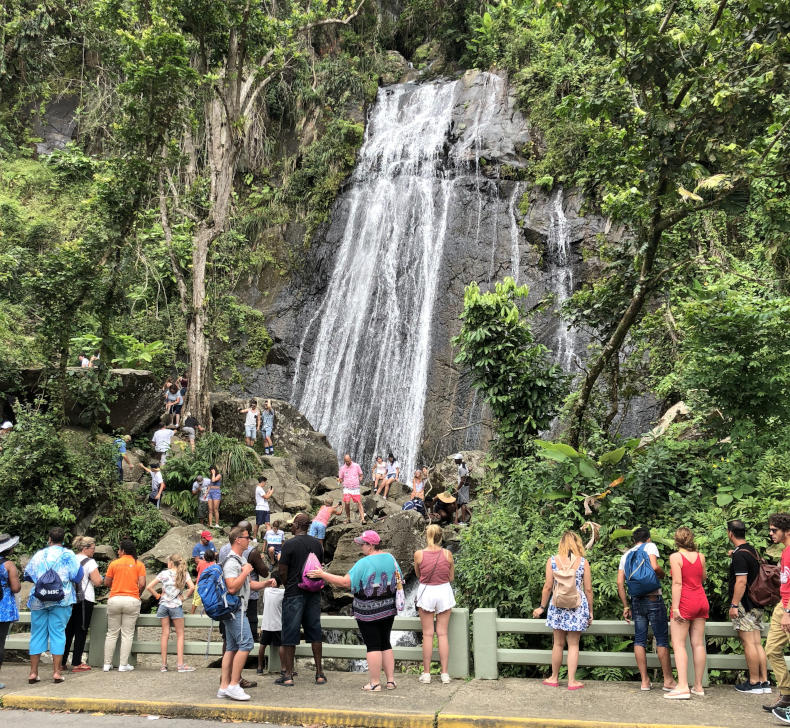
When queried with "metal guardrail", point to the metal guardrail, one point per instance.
{"points": [[458, 636]]}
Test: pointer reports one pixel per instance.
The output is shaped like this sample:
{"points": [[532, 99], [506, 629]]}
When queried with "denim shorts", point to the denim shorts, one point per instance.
{"points": [[249, 431], [317, 530], [238, 637], [163, 611], [650, 610], [215, 494], [302, 610]]}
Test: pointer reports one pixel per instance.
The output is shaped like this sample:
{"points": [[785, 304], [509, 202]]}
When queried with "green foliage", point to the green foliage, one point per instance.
{"points": [[507, 366]]}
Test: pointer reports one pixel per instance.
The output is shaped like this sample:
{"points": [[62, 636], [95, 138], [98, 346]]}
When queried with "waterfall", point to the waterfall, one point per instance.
{"points": [[561, 277], [365, 385]]}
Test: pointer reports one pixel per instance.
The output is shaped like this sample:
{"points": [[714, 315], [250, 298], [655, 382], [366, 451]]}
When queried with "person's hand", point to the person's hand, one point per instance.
{"points": [[247, 568], [590, 620], [315, 574], [537, 611], [680, 619], [786, 622], [627, 614], [733, 612]]}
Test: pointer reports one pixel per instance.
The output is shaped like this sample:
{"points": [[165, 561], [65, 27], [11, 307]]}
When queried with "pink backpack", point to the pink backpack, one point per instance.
{"points": [[308, 584]]}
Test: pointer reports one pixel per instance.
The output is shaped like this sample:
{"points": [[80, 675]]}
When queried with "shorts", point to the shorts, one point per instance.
{"points": [[215, 494], [347, 497], [177, 409], [653, 611], [376, 634], [302, 610], [250, 431], [435, 597], [197, 602], [170, 612], [463, 495], [317, 530], [751, 621], [238, 637], [202, 509], [273, 638], [267, 432], [278, 547], [262, 517], [48, 630], [189, 431], [153, 500]]}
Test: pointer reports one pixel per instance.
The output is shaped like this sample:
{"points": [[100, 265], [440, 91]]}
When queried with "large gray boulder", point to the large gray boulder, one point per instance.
{"points": [[179, 540], [444, 476]]}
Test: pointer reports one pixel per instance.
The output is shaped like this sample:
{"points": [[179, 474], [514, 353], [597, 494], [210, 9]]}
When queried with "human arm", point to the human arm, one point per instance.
{"points": [[162, 487], [13, 577], [704, 570], [738, 590], [417, 563], [216, 477], [235, 583], [147, 470], [587, 585], [269, 494], [150, 588], [339, 509], [190, 587], [654, 563], [449, 556], [95, 577], [622, 594], [545, 595], [260, 585], [677, 585], [333, 579]]}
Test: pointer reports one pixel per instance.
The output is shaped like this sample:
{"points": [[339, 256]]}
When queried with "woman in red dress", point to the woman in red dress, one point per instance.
{"points": [[689, 612]]}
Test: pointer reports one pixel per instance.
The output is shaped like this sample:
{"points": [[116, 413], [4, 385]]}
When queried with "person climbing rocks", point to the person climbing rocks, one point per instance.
{"points": [[462, 511]]}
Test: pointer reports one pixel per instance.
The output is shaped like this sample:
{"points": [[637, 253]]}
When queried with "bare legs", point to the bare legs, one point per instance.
{"points": [[695, 631], [347, 506], [213, 513], [442, 624], [666, 665], [561, 638], [755, 655], [164, 638], [381, 660]]}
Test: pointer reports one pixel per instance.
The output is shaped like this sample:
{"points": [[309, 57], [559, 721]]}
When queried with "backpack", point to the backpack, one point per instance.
{"points": [[218, 602], [49, 586], [78, 591], [640, 576], [565, 595], [764, 590], [308, 584]]}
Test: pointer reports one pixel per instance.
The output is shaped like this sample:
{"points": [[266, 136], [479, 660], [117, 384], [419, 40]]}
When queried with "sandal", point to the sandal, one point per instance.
{"points": [[391, 683], [285, 682], [320, 678], [372, 687]]}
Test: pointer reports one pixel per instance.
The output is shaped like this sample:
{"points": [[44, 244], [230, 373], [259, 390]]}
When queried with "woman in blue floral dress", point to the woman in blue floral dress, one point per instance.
{"points": [[568, 624], [10, 586]]}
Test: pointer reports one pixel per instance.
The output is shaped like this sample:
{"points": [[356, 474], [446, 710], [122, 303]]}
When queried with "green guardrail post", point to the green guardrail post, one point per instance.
{"points": [[97, 636], [458, 636], [484, 644], [274, 658]]}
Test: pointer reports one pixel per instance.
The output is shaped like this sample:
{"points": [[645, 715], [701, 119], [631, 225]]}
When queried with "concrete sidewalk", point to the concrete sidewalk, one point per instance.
{"points": [[462, 704]]}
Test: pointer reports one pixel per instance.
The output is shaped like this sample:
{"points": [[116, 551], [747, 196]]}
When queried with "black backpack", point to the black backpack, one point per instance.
{"points": [[78, 592]]}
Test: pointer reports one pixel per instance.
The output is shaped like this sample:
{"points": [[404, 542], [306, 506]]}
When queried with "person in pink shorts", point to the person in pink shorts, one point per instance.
{"points": [[350, 477]]}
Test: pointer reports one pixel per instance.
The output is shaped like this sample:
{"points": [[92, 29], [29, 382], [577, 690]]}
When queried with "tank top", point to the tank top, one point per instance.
{"points": [[324, 514], [435, 568]]}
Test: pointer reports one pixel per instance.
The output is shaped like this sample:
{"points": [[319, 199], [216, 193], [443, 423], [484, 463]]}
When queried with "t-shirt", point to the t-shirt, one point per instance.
{"points": [[784, 577], [742, 563], [156, 481], [88, 590], [201, 567], [64, 563], [274, 538], [191, 421], [350, 475], [261, 503], [251, 420], [201, 486], [198, 550], [230, 570], [650, 550], [293, 556], [267, 419], [171, 594], [124, 573], [161, 440], [272, 618], [463, 472], [392, 469], [120, 446]]}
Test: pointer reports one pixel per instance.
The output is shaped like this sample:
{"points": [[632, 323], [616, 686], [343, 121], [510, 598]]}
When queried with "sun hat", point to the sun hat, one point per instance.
{"points": [[207, 535], [368, 537], [446, 497], [7, 542]]}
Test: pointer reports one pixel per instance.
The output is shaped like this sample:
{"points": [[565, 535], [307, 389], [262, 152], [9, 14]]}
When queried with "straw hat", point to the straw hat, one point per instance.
{"points": [[446, 497]]}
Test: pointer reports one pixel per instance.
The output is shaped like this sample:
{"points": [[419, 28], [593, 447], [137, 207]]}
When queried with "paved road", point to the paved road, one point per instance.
{"points": [[40, 719]]}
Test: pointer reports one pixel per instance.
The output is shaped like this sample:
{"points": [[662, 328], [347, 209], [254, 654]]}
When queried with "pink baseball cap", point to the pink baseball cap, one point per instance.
{"points": [[368, 537], [206, 534]]}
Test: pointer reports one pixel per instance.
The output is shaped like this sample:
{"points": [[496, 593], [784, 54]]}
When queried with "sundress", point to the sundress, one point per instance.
{"points": [[9, 610], [570, 620]]}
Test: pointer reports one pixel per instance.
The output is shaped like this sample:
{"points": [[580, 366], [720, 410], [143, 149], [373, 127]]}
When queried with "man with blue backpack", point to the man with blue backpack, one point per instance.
{"points": [[640, 572]]}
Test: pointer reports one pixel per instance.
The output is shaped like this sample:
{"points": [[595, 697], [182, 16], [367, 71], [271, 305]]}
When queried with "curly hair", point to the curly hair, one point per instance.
{"points": [[780, 521], [684, 539]]}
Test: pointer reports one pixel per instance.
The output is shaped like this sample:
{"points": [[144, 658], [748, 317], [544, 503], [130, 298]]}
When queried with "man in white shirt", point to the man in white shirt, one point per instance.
{"points": [[161, 442], [262, 510], [200, 489]]}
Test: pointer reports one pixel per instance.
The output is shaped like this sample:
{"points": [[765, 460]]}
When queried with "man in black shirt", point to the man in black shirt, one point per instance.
{"points": [[747, 617], [301, 608]]}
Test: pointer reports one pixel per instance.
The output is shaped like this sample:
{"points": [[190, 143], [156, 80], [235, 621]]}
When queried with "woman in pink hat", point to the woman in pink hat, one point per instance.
{"points": [[373, 581]]}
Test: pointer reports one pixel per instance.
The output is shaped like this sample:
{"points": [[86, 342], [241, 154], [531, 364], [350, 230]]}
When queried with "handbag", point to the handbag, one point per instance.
{"points": [[400, 594]]}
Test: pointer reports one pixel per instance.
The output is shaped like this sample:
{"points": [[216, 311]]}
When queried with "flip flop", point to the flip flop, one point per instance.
{"points": [[320, 679], [391, 683], [550, 684], [372, 688], [33, 680], [575, 687], [58, 679], [649, 687]]}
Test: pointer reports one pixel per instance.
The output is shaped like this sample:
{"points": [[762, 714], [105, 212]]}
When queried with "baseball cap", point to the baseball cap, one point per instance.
{"points": [[7, 425], [207, 535], [458, 456], [368, 537]]}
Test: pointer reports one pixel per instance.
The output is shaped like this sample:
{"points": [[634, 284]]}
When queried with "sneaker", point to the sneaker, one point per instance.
{"points": [[783, 702], [107, 668], [782, 713], [767, 687], [220, 693], [163, 668], [186, 668], [425, 678], [125, 668], [748, 687], [446, 678], [234, 692]]}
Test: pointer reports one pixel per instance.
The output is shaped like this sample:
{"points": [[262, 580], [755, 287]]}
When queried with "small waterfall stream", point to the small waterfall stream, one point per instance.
{"points": [[561, 277]]}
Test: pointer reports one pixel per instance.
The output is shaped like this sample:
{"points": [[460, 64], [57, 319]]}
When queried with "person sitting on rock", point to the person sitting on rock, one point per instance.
{"points": [[379, 473], [443, 508], [274, 541], [392, 474], [417, 486]]}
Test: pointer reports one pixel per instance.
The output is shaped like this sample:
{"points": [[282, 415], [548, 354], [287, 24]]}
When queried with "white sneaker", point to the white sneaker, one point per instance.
{"points": [[125, 668], [446, 678], [220, 693], [107, 668], [425, 678], [234, 692]]}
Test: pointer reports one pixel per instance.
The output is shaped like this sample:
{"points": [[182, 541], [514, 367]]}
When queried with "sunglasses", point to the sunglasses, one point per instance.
{"points": [[773, 530]]}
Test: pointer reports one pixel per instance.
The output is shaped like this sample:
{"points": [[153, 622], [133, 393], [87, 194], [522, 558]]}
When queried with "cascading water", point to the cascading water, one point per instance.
{"points": [[365, 384], [561, 277]]}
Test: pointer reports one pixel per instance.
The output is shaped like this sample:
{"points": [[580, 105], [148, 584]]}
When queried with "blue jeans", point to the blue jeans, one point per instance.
{"points": [[650, 610], [302, 610]]}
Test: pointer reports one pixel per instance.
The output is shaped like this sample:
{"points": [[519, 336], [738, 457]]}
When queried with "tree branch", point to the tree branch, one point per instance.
{"points": [[332, 21], [177, 272]]}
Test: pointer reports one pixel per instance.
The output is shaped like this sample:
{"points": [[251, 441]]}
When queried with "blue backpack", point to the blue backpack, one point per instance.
{"points": [[640, 576], [49, 586], [218, 602]]}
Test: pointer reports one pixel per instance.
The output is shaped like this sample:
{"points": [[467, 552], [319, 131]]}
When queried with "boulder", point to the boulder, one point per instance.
{"points": [[104, 552], [326, 485], [179, 540], [444, 475]]}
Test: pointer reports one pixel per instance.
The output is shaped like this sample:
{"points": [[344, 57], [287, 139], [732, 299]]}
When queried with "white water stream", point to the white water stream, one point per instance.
{"points": [[561, 277]]}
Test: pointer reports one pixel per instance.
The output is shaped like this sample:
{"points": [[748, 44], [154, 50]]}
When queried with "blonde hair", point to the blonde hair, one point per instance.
{"points": [[570, 544], [328, 501], [80, 543], [434, 535], [684, 539], [181, 569]]}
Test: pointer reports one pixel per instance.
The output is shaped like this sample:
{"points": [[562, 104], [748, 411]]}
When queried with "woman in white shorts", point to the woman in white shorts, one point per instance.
{"points": [[435, 570]]}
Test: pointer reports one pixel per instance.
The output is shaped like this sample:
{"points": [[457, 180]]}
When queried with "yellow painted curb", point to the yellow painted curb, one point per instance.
{"points": [[447, 720], [233, 711]]}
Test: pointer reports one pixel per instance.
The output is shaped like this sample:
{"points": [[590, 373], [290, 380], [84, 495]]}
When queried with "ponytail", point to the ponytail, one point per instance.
{"points": [[181, 569]]}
